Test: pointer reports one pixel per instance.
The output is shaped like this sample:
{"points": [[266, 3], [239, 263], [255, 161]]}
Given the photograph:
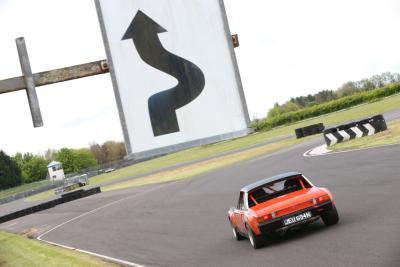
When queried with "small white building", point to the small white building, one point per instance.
{"points": [[56, 171]]}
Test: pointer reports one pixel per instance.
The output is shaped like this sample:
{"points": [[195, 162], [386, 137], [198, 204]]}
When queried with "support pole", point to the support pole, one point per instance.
{"points": [[29, 82]]}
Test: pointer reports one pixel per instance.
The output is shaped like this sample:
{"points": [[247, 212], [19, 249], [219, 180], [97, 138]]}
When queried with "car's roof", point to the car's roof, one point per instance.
{"points": [[275, 178]]}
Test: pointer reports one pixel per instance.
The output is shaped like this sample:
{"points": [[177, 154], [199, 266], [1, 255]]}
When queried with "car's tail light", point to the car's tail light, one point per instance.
{"points": [[320, 199], [267, 217], [259, 219], [323, 198], [264, 218]]}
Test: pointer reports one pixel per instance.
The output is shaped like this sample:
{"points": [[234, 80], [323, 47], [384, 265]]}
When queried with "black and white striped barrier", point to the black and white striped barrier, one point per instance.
{"points": [[354, 130]]}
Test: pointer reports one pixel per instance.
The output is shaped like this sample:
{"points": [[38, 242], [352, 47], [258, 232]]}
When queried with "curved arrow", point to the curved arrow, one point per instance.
{"points": [[162, 106]]}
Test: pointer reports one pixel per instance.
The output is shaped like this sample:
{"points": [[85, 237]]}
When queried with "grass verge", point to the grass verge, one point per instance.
{"points": [[41, 196], [189, 171], [391, 136], [18, 250], [22, 188]]}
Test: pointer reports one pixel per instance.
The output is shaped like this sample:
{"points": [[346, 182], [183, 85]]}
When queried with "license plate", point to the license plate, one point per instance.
{"points": [[297, 218]]}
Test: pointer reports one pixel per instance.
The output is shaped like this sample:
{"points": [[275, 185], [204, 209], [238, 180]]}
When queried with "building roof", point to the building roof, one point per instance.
{"points": [[275, 178], [53, 163]]}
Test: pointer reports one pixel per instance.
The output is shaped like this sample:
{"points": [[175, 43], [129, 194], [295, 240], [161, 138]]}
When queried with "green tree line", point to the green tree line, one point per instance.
{"points": [[347, 89], [27, 168], [327, 107]]}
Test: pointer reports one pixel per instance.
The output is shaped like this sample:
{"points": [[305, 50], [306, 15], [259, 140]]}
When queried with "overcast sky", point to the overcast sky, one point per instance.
{"points": [[287, 48]]}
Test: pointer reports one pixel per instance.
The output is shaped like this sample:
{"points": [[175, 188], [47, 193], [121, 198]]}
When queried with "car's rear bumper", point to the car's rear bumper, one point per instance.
{"points": [[277, 224]]}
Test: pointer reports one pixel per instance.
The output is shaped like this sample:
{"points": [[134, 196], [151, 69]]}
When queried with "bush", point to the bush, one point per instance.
{"points": [[10, 173], [328, 107]]}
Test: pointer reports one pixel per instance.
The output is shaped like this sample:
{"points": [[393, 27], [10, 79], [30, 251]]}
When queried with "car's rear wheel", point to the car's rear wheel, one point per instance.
{"points": [[255, 241], [331, 217]]}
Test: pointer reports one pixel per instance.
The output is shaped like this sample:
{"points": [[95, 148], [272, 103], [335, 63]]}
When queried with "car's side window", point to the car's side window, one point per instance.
{"points": [[251, 202], [305, 183]]}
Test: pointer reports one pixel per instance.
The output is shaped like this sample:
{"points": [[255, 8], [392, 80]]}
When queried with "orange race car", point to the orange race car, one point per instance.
{"points": [[276, 204]]}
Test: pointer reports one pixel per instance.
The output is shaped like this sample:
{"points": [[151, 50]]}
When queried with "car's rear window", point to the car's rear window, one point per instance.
{"points": [[273, 190]]}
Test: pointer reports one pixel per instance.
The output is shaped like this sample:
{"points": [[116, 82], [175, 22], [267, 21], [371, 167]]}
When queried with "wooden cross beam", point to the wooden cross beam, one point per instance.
{"points": [[30, 81]]}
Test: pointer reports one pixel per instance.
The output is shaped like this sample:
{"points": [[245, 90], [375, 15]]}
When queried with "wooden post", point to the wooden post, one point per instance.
{"points": [[29, 83]]}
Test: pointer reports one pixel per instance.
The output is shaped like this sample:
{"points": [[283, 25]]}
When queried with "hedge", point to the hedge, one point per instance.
{"points": [[328, 107]]}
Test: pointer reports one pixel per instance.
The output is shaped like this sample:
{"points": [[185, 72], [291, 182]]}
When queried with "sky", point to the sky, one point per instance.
{"points": [[287, 48]]}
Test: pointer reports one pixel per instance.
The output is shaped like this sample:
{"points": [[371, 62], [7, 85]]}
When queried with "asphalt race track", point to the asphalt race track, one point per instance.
{"points": [[185, 223]]}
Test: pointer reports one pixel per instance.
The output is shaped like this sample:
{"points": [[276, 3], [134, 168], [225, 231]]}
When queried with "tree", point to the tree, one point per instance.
{"points": [[50, 154], [84, 159], [324, 96], [347, 89], [279, 110], [109, 151], [98, 153], [10, 173], [366, 85], [66, 157], [377, 81], [275, 111], [75, 160], [19, 159], [114, 150], [35, 169]]}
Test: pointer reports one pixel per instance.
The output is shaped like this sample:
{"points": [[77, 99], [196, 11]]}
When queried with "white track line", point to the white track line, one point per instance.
{"points": [[40, 237], [306, 154]]}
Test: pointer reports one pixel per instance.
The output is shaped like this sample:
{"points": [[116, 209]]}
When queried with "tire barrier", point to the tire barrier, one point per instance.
{"points": [[354, 130], [309, 130], [50, 204]]}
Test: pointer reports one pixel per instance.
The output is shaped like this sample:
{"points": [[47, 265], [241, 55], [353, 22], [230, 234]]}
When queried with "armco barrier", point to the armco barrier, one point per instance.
{"points": [[354, 130], [50, 204], [309, 130]]}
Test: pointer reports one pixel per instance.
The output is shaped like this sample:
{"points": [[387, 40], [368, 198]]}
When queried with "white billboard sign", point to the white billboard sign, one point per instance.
{"points": [[174, 73]]}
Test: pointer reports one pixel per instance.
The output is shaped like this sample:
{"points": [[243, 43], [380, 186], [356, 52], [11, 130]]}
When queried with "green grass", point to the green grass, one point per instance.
{"points": [[41, 196], [18, 251], [23, 188], [391, 136], [200, 152], [191, 170]]}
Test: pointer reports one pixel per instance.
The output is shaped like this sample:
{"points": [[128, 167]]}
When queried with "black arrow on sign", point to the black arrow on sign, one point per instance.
{"points": [[162, 106]]}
